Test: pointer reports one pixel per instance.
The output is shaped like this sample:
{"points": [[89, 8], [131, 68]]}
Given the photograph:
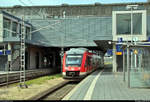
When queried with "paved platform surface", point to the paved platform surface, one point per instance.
{"points": [[105, 85]]}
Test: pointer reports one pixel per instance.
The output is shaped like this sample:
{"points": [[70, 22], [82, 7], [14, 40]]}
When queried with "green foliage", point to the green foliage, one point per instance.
{"points": [[43, 79], [40, 80]]}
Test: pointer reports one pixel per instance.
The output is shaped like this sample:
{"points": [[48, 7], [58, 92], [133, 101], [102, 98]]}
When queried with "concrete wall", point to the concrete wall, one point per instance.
{"points": [[33, 52], [38, 12]]}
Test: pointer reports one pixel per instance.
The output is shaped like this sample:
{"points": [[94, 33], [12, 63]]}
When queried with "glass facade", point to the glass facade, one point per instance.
{"points": [[13, 29], [123, 22], [137, 23]]}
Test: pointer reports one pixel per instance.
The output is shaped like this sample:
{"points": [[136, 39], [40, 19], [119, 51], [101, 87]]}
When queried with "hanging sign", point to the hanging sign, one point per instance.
{"points": [[1, 52], [118, 50], [135, 52], [8, 52]]}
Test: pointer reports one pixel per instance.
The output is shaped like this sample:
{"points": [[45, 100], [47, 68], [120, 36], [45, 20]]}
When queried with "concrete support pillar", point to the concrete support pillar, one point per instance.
{"points": [[131, 59], [28, 58], [9, 57], [128, 69], [114, 59], [9, 48], [124, 66], [62, 53]]}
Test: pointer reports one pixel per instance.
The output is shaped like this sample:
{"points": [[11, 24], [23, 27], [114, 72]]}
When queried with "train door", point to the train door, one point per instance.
{"points": [[88, 63]]}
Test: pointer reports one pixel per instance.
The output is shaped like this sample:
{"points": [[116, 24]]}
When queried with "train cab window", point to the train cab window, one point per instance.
{"points": [[73, 60], [14, 29], [7, 27]]}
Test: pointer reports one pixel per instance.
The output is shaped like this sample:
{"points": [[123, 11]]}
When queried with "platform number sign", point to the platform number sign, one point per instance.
{"points": [[8, 52], [119, 51], [1, 52]]}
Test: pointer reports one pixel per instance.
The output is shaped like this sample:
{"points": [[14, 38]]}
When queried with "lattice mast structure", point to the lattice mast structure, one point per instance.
{"points": [[22, 55]]}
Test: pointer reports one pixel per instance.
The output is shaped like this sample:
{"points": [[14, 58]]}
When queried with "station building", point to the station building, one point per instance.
{"points": [[35, 56], [65, 26]]}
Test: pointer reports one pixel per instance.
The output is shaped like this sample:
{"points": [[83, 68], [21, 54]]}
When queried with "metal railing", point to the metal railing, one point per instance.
{"points": [[136, 62]]}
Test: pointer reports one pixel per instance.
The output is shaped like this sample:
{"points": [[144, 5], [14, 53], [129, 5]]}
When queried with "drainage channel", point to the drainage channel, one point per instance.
{"points": [[62, 92]]}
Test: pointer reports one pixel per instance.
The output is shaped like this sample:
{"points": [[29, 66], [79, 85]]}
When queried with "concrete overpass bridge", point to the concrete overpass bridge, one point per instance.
{"points": [[73, 32]]}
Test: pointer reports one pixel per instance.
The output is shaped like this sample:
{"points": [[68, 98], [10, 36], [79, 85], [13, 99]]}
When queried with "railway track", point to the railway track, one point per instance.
{"points": [[61, 93], [57, 92]]}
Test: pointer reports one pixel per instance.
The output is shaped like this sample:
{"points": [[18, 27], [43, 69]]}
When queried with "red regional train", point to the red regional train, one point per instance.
{"points": [[79, 62]]}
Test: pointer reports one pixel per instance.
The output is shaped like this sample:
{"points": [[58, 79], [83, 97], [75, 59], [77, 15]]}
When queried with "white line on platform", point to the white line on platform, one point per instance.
{"points": [[91, 88], [72, 91]]}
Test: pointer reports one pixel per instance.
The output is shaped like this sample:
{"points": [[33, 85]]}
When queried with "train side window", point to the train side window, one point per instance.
{"points": [[85, 64], [93, 61], [88, 60]]}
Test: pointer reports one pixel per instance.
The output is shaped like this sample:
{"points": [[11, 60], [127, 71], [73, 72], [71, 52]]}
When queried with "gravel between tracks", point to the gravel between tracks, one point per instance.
{"points": [[15, 93]]}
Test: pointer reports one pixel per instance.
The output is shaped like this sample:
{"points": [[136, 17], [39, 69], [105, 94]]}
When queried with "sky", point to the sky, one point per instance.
{"points": [[59, 2]]}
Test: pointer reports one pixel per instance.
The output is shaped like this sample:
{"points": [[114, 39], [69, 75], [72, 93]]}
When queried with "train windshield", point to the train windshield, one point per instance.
{"points": [[73, 60]]}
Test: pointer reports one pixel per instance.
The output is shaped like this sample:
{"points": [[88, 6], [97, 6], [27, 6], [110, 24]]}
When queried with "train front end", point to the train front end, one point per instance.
{"points": [[72, 65]]}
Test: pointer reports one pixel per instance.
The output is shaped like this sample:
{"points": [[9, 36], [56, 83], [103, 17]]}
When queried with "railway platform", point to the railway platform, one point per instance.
{"points": [[105, 85]]}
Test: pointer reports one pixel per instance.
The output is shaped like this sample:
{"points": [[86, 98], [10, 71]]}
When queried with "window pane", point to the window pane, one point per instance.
{"points": [[73, 60], [6, 34], [27, 32], [137, 23], [6, 26], [19, 28], [123, 23], [6, 23], [14, 29]]}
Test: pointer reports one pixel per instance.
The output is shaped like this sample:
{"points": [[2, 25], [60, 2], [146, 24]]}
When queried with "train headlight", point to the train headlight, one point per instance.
{"points": [[66, 68]]}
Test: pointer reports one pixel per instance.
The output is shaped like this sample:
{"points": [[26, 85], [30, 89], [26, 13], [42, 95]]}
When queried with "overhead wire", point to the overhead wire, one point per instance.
{"points": [[31, 2], [22, 3]]}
